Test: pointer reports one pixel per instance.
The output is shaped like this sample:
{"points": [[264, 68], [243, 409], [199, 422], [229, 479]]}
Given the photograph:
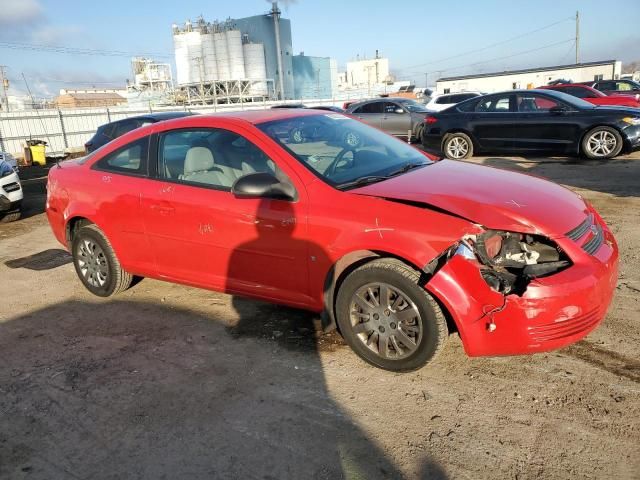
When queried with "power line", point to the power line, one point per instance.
{"points": [[469, 52], [524, 52], [78, 51]]}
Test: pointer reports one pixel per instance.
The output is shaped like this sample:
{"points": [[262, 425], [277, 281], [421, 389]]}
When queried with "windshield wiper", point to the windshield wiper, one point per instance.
{"points": [[377, 178], [363, 181], [407, 167]]}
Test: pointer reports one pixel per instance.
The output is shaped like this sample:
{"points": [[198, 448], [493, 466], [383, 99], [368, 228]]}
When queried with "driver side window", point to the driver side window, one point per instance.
{"points": [[495, 104]]}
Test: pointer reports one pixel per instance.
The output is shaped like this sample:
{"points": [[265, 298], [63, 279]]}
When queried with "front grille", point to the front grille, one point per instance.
{"points": [[565, 328], [11, 187], [595, 233], [581, 229]]}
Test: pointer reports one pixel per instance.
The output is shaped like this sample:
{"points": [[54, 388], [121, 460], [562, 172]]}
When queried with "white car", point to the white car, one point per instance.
{"points": [[442, 102], [10, 189]]}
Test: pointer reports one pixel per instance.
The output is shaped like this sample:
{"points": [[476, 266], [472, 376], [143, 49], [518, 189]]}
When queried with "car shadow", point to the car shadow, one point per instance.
{"points": [[45, 260], [128, 389]]}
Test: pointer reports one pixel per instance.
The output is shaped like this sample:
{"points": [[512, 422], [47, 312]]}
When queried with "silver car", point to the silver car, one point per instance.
{"points": [[397, 116]]}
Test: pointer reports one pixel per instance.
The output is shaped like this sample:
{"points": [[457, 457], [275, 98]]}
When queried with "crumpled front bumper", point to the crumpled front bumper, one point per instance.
{"points": [[553, 311]]}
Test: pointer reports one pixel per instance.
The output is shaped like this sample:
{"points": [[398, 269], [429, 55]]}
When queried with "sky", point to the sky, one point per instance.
{"points": [[436, 38]]}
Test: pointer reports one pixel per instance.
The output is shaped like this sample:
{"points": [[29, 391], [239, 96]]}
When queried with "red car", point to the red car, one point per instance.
{"points": [[594, 96], [624, 87], [393, 246]]}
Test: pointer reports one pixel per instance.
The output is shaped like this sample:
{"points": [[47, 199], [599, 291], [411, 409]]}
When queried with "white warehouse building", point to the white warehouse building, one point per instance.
{"points": [[530, 78]]}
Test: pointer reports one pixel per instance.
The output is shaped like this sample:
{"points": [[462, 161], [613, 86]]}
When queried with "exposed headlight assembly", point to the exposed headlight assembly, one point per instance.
{"points": [[5, 169]]}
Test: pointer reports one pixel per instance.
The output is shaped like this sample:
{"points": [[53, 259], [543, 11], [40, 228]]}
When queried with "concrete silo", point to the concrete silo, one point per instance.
{"points": [[236, 55], [255, 67]]}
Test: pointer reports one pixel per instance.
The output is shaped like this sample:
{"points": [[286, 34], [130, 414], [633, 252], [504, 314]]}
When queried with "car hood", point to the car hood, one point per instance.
{"points": [[497, 199]]}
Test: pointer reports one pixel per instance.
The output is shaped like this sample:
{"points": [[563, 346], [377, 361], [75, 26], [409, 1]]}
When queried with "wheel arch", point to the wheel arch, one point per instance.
{"points": [[74, 224], [347, 264]]}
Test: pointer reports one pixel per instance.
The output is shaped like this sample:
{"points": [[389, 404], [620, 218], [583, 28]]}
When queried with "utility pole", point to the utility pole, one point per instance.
{"points": [[577, 37], [5, 86]]}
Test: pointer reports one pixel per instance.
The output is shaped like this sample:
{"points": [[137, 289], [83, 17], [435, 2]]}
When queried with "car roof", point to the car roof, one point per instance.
{"points": [[262, 116], [155, 116]]}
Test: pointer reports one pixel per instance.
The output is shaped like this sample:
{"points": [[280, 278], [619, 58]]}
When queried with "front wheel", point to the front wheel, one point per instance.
{"points": [[602, 143], [457, 146], [387, 318], [96, 263]]}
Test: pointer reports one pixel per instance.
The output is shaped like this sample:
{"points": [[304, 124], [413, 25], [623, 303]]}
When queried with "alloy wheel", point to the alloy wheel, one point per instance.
{"points": [[92, 263], [386, 321], [457, 147], [602, 143]]}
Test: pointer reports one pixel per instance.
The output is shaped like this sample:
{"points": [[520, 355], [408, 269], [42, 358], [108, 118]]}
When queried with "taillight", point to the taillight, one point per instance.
{"points": [[430, 120]]}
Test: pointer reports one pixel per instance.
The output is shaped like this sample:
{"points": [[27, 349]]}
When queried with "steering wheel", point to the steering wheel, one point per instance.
{"points": [[331, 169]]}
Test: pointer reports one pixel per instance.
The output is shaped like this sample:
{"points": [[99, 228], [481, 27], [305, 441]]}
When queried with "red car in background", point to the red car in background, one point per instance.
{"points": [[625, 87], [594, 96], [393, 246]]}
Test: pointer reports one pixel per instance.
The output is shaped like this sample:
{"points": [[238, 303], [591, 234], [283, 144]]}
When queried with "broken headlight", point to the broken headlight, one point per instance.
{"points": [[510, 260]]}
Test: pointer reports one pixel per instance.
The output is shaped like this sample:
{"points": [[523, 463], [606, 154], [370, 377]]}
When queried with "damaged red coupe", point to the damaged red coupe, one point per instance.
{"points": [[319, 211]]}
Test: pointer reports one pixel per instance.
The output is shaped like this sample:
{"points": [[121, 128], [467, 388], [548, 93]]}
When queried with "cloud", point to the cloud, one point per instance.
{"points": [[18, 11]]}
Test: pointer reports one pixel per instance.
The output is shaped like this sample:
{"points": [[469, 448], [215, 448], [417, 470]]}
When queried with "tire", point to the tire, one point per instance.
{"points": [[601, 143], [105, 277], [408, 341], [457, 146], [11, 217], [296, 136], [418, 134]]}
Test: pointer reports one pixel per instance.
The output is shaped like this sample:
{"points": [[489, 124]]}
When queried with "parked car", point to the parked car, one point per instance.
{"points": [[386, 242], [329, 108], [290, 105], [620, 87], [110, 131], [594, 96], [11, 194], [396, 116], [520, 121], [442, 102]]}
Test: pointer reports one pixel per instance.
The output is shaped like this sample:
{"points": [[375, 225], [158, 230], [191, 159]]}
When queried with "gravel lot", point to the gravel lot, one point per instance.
{"points": [[172, 382]]}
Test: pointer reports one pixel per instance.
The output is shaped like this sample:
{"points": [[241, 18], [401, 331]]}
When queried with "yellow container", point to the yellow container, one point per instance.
{"points": [[37, 154]]}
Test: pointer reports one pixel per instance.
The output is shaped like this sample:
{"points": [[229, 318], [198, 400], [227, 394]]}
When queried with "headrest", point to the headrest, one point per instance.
{"points": [[198, 159]]}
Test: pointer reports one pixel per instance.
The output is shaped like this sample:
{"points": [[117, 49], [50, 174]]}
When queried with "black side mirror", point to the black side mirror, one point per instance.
{"points": [[263, 185]]}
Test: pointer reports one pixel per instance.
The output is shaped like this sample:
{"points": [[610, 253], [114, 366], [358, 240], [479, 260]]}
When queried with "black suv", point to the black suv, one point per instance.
{"points": [[109, 131]]}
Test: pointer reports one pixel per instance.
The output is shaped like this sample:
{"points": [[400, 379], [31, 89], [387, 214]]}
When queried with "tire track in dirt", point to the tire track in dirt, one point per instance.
{"points": [[605, 359]]}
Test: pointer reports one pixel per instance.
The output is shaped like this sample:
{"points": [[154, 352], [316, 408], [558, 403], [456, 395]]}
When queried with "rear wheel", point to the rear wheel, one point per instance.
{"points": [[457, 146], [11, 216], [387, 318], [96, 263], [602, 143]]}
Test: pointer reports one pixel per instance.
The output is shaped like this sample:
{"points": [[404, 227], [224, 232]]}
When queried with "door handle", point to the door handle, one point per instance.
{"points": [[163, 209]]}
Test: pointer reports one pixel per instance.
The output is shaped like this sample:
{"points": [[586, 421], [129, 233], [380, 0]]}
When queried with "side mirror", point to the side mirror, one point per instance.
{"points": [[557, 110], [263, 185], [398, 110]]}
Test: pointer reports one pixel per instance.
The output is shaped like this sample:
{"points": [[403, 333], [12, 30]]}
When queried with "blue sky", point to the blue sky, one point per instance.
{"points": [[418, 36]]}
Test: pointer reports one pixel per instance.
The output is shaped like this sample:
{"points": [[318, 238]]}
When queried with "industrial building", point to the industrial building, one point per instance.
{"points": [[151, 75], [234, 60], [314, 77], [531, 78], [365, 73]]}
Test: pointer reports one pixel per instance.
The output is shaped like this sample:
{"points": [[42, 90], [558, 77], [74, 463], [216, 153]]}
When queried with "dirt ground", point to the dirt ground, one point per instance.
{"points": [[172, 382]]}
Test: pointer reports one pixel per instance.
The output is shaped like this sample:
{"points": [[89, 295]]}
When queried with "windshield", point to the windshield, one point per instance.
{"points": [[343, 151], [412, 105]]}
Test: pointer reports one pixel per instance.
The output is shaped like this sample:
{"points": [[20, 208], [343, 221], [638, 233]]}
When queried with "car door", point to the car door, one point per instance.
{"points": [[203, 235], [370, 113], [545, 123], [115, 185], [494, 121], [396, 120]]}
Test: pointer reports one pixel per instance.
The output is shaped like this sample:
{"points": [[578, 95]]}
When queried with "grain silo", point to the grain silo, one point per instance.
{"points": [[182, 58], [222, 55], [209, 57], [255, 67], [236, 55], [194, 51]]}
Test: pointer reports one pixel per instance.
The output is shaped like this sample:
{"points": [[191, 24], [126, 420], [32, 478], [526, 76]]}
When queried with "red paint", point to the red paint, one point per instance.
{"points": [[597, 97], [284, 251]]}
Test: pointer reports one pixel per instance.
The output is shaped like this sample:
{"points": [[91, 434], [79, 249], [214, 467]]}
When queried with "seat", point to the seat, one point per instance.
{"points": [[200, 167]]}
